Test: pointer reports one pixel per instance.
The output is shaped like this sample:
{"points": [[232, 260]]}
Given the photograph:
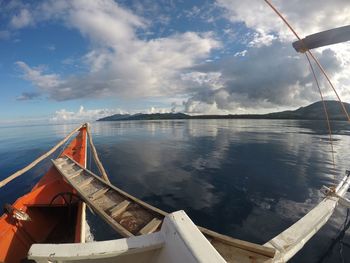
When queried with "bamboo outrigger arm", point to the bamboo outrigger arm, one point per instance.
{"points": [[324, 38], [95, 155], [290, 241], [41, 158], [53, 149]]}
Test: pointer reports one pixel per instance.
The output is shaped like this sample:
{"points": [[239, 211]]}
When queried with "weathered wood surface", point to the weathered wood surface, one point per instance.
{"points": [[151, 226], [119, 208], [324, 38], [130, 216], [123, 213], [248, 246], [95, 156]]}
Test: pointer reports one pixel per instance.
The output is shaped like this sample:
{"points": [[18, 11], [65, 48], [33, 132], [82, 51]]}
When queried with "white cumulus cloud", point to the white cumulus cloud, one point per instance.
{"points": [[306, 17], [266, 75], [22, 19], [45, 82], [83, 114], [119, 62], [271, 75]]}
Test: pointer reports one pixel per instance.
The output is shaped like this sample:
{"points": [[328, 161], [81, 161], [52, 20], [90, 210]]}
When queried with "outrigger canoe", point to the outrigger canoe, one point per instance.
{"points": [[50, 213], [47, 224], [53, 212]]}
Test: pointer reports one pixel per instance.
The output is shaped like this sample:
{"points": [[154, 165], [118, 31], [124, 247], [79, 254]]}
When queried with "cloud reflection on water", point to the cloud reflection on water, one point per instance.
{"points": [[246, 178]]}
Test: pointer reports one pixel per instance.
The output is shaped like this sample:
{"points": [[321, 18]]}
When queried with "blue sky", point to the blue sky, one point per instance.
{"points": [[76, 60]]}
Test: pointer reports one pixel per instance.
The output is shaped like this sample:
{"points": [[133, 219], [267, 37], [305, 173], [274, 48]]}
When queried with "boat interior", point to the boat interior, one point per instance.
{"points": [[50, 213], [46, 224]]}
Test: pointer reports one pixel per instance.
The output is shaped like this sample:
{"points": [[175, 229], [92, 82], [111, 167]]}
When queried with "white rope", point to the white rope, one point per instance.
{"points": [[38, 160]]}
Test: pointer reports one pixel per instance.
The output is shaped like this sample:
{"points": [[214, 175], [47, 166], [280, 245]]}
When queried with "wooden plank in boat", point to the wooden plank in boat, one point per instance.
{"points": [[259, 249], [98, 193], [76, 173], [66, 165], [151, 226], [224, 244], [61, 160], [114, 224], [86, 182], [119, 191], [95, 195], [119, 208], [233, 254]]}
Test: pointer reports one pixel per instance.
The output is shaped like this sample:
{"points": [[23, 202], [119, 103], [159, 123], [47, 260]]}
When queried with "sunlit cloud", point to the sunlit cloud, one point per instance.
{"points": [[83, 114], [249, 66]]}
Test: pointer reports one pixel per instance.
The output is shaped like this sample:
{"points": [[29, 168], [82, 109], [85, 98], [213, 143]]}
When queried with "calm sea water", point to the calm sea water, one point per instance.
{"points": [[249, 179]]}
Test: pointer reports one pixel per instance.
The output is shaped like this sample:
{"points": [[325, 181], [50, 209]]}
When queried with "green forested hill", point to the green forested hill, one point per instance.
{"points": [[313, 111]]}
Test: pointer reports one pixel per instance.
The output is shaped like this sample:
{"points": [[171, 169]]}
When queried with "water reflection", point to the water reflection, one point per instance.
{"points": [[246, 178]]}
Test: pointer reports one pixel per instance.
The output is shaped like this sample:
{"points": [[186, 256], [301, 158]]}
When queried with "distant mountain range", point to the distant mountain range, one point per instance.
{"points": [[313, 111]]}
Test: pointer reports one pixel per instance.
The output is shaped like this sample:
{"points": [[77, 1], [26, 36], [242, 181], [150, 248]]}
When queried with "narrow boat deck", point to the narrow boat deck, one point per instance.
{"points": [[125, 214], [130, 216]]}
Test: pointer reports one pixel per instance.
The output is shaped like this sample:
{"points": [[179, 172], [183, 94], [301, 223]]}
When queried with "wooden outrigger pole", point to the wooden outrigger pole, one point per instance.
{"points": [[39, 159], [324, 38], [53, 149], [290, 241]]}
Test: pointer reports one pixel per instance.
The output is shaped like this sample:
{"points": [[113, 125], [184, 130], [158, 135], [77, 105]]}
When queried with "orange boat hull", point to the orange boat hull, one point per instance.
{"points": [[52, 219]]}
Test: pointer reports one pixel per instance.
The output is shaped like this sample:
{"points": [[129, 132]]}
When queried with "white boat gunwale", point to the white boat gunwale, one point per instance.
{"points": [[251, 250], [293, 239]]}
